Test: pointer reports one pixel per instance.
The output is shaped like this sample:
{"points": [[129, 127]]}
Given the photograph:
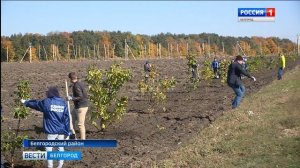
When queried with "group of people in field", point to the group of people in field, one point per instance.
{"points": [[59, 123], [236, 71], [239, 68]]}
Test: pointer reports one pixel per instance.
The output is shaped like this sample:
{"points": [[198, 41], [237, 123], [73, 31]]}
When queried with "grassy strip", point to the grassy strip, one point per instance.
{"points": [[263, 132]]}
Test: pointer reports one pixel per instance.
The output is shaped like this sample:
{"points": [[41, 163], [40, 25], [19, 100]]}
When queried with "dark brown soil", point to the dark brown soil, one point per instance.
{"points": [[144, 137]]}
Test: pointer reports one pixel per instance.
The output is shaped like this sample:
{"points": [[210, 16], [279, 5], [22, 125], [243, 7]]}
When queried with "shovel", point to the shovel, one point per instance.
{"points": [[69, 109]]}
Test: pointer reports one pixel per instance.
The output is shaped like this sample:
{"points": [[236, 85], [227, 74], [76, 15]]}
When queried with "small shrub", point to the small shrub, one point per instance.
{"points": [[155, 88], [104, 87], [12, 141]]}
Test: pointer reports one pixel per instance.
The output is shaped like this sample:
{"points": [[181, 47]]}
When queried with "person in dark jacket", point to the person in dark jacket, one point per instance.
{"points": [[215, 66], [235, 71], [80, 99], [147, 70], [56, 121], [194, 69]]}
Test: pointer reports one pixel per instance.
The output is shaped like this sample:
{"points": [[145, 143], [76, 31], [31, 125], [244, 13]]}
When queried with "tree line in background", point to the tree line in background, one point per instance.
{"points": [[104, 45]]}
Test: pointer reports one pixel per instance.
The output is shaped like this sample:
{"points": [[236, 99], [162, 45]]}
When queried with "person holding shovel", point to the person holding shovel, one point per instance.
{"points": [[80, 99], [56, 121]]}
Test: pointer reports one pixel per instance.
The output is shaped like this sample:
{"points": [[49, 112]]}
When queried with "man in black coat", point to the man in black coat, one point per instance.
{"points": [[235, 71]]}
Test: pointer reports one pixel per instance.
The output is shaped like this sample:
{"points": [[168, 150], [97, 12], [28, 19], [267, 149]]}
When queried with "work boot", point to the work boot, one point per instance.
{"points": [[72, 136]]}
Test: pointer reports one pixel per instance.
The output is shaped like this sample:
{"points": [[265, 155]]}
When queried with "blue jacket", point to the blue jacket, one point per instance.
{"points": [[215, 64], [56, 115]]}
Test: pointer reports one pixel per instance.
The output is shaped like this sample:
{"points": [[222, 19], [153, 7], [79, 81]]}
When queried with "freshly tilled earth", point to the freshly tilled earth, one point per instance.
{"points": [[144, 137]]}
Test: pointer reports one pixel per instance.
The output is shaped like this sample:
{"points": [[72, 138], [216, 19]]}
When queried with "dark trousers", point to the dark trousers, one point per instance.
{"points": [[280, 73], [239, 94], [194, 73], [216, 72]]}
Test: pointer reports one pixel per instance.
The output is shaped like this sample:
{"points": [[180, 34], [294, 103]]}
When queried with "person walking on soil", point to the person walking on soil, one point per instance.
{"points": [[80, 99], [56, 121], [147, 70], [235, 71], [215, 66], [281, 66], [194, 69]]}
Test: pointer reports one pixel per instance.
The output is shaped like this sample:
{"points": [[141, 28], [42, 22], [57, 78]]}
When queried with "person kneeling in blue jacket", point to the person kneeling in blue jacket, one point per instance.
{"points": [[56, 120]]}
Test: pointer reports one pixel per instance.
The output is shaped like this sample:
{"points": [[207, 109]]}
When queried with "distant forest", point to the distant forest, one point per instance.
{"points": [[104, 44]]}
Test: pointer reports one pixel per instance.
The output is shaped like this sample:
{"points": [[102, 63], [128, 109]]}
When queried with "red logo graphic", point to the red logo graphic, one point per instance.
{"points": [[270, 12]]}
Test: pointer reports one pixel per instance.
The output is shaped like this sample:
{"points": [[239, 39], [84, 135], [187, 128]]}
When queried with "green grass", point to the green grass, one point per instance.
{"points": [[264, 132]]}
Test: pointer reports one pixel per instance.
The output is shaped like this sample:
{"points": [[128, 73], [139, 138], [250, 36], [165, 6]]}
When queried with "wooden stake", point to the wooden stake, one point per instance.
{"points": [[178, 50], [141, 50], [260, 49], [98, 55], [208, 47], [108, 55], [126, 50], [94, 51], [113, 51], [57, 53], [149, 49], [6, 53], [88, 51], [75, 52], [187, 49], [29, 53], [69, 52], [131, 52], [199, 48], [168, 50], [104, 51], [45, 53], [159, 47], [223, 47], [145, 51], [171, 49], [39, 52], [69, 110], [83, 52], [79, 54], [52, 52], [298, 46], [24, 55]]}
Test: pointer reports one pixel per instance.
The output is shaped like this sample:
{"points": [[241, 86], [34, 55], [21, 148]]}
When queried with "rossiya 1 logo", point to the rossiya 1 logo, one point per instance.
{"points": [[256, 14]]}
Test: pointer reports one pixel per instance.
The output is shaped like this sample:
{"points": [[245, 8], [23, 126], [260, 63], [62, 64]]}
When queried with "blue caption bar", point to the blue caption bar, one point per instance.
{"points": [[53, 155], [70, 143], [66, 155]]}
